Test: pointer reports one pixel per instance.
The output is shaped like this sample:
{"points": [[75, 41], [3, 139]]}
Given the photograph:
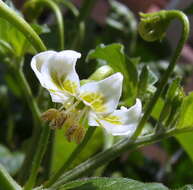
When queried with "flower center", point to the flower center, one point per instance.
{"points": [[95, 100], [64, 84]]}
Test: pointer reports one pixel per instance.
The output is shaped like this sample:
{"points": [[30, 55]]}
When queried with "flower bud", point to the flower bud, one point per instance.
{"points": [[75, 133], [50, 114], [55, 117], [79, 134]]}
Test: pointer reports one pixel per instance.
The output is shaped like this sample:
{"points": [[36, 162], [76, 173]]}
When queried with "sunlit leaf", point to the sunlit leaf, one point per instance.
{"points": [[186, 120], [63, 149], [12, 41], [157, 108], [186, 113], [186, 141]]}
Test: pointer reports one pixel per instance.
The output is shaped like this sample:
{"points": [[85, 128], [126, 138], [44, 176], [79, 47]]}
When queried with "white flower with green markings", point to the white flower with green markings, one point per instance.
{"points": [[94, 102]]}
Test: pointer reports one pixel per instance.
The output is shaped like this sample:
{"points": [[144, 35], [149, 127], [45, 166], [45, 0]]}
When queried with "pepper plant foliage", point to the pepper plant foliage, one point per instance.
{"points": [[94, 97]]}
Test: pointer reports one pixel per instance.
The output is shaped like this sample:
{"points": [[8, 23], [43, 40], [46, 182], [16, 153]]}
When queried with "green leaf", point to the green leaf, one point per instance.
{"points": [[186, 120], [143, 81], [63, 149], [111, 184], [157, 109], [146, 87], [12, 41], [152, 78], [11, 161], [186, 140], [186, 112], [12, 36], [114, 56], [173, 89]]}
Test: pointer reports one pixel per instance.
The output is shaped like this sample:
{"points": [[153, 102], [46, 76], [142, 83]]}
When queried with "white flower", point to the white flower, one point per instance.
{"points": [[93, 102]]}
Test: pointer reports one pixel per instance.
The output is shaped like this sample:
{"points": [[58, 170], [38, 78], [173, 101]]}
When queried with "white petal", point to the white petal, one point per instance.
{"points": [[56, 72], [103, 96], [37, 62], [92, 119], [123, 122], [59, 97]]}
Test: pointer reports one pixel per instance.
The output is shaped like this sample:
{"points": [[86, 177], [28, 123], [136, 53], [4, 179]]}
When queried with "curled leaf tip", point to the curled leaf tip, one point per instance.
{"points": [[153, 26]]}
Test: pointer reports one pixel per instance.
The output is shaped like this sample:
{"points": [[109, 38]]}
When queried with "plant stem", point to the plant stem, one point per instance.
{"points": [[76, 44], [36, 130], [108, 143], [6, 181], [28, 95], [38, 157], [72, 157], [173, 14], [39, 138], [52, 5], [86, 9], [71, 7], [12, 17], [110, 154]]}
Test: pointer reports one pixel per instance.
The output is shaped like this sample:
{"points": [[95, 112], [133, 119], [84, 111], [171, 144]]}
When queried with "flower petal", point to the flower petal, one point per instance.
{"points": [[37, 62], [59, 97], [103, 96], [122, 122], [56, 72], [92, 119], [60, 71]]}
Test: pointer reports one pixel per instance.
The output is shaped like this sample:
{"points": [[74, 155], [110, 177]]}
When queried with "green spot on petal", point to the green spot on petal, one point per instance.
{"points": [[113, 119], [96, 100], [64, 84]]}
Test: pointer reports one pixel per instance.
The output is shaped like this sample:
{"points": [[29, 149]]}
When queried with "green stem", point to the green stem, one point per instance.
{"points": [[52, 5], [108, 143], [76, 44], [86, 9], [115, 151], [78, 40], [28, 95], [10, 130], [72, 157], [71, 7], [6, 181], [12, 17], [173, 14], [37, 125], [41, 147]]}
